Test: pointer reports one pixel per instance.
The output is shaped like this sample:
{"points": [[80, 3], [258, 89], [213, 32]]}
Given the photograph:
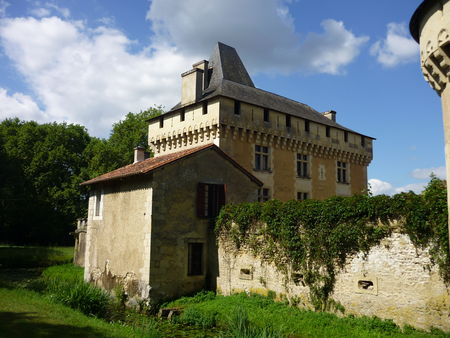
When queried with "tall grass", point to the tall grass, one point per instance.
{"points": [[64, 284]]}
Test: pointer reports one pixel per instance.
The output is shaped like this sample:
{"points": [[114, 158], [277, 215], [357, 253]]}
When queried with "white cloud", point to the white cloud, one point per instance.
{"points": [[49, 8], [266, 39], [414, 187], [396, 48], [87, 76], [379, 187], [3, 6], [19, 105], [425, 173]]}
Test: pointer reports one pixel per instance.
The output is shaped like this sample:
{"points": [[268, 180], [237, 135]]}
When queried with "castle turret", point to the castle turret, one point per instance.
{"points": [[430, 27]]}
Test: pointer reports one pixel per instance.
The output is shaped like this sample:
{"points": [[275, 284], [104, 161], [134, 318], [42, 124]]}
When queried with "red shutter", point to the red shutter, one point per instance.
{"points": [[201, 200]]}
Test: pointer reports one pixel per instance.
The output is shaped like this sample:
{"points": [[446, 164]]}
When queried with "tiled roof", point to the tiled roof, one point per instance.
{"points": [[150, 164]]}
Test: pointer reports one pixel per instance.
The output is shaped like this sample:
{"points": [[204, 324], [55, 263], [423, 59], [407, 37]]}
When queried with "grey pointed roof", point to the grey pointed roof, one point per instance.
{"points": [[229, 78], [227, 65]]}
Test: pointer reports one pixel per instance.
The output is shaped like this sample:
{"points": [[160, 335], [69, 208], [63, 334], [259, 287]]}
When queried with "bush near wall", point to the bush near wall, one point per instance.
{"points": [[316, 237]]}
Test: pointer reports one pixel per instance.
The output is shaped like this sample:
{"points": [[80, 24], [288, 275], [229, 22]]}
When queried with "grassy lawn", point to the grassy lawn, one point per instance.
{"points": [[34, 256], [26, 313]]}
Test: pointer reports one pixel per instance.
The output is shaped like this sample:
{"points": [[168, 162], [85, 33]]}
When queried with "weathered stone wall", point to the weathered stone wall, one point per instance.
{"points": [[393, 281], [118, 241], [176, 224]]}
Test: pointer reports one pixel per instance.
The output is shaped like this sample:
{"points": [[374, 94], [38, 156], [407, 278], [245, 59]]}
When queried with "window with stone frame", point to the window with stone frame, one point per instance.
{"points": [[195, 259], [302, 166], [263, 195], [342, 173], [262, 158], [210, 199], [98, 206]]}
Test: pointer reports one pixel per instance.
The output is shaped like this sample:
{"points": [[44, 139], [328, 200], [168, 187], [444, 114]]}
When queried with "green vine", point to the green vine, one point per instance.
{"points": [[316, 237]]}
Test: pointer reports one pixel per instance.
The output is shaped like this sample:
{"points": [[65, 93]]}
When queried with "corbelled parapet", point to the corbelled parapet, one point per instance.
{"points": [[430, 26]]}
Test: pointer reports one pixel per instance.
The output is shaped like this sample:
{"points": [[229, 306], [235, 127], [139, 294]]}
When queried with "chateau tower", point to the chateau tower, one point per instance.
{"points": [[430, 27], [297, 152]]}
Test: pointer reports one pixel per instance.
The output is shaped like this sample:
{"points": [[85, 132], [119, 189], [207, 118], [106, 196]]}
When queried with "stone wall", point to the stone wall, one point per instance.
{"points": [[393, 281]]}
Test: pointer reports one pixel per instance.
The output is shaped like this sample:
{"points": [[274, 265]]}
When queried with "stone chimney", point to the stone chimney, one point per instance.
{"points": [[331, 115], [193, 82], [139, 154]]}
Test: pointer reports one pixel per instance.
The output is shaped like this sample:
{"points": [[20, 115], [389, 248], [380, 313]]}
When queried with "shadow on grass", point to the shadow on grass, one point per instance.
{"points": [[18, 278], [28, 324], [28, 257]]}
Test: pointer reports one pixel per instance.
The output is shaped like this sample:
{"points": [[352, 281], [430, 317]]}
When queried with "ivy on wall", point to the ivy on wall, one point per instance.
{"points": [[315, 238]]}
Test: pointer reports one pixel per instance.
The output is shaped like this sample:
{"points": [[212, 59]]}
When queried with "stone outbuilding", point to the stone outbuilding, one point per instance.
{"points": [[150, 224]]}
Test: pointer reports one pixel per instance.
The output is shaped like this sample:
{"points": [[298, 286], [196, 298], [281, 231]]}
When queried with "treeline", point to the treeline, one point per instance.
{"points": [[42, 166]]}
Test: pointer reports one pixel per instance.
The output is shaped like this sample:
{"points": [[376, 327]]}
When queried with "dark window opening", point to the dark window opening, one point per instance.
{"points": [[301, 196], [327, 131], [365, 284], [210, 199], [263, 195], [345, 136], [307, 126], [182, 115], [341, 172], [161, 122], [302, 166], [205, 108], [195, 259], [261, 158], [297, 278], [266, 115], [237, 108], [288, 121], [363, 141]]}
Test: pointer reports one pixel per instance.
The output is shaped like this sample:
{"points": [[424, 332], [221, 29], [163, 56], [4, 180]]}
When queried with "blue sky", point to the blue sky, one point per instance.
{"points": [[91, 62]]}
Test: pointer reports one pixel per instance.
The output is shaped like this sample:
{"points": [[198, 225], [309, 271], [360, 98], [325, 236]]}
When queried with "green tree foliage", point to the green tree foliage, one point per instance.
{"points": [[40, 194], [315, 238], [117, 151], [42, 166]]}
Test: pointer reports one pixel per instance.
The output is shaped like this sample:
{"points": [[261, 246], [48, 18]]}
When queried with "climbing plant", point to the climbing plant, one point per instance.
{"points": [[316, 237]]}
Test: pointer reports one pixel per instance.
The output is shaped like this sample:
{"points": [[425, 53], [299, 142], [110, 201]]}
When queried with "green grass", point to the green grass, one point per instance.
{"points": [[25, 313], [35, 256], [256, 316]]}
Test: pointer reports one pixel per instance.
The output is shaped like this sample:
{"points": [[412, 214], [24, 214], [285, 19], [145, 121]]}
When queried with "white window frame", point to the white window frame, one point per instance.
{"points": [[98, 205], [262, 158], [302, 159]]}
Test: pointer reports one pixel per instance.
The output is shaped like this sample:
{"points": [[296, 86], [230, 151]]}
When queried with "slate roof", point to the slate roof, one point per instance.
{"points": [[150, 164], [229, 78]]}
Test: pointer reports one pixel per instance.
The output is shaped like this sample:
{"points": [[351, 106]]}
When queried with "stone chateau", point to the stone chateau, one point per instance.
{"points": [[295, 151], [150, 224]]}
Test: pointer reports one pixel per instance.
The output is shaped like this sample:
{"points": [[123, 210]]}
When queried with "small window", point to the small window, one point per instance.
{"points": [[210, 199], [363, 141], [182, 115], [307, 126], [342, 172], [161, 122], [345, 136], [98, 204], [195, 259], [301, 196], [261, 158], [327, 131], [263, 195], [288, 121], [302, 166], [205, 108], [246, 274], [266, 115], [237, 108]]}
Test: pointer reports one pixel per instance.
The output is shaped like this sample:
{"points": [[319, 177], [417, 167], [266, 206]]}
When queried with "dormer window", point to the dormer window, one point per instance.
{"points": [[266, 115], [307, 126], [345, 136], [288, 121], [237, 108], [327, 131]]}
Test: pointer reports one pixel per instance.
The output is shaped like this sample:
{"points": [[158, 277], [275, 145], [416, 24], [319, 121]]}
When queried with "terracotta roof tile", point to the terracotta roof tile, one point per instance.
{"points": [[153, 163]]}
